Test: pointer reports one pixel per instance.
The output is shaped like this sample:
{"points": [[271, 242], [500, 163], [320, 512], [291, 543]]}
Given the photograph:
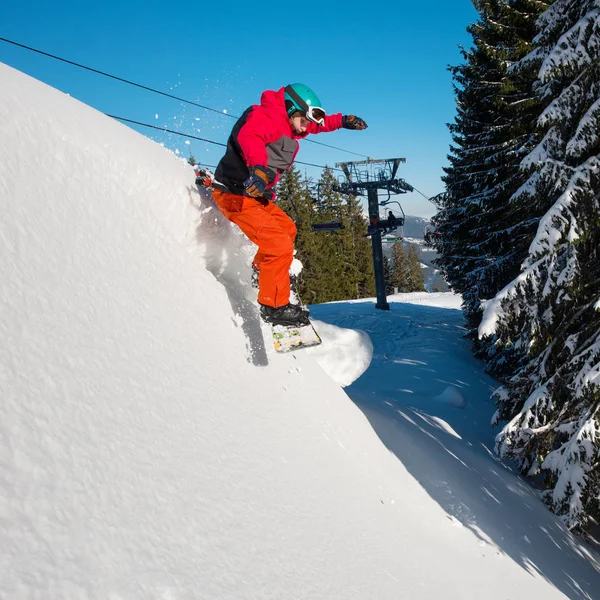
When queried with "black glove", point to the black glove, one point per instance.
{"points": [[352, 122], [259, 179]]}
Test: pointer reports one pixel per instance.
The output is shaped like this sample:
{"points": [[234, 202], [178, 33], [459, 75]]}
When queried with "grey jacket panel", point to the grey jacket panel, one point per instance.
{"points": [[281, 153]]}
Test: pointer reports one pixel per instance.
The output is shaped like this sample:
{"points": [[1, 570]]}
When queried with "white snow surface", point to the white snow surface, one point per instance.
{"points": [[152, 444]]}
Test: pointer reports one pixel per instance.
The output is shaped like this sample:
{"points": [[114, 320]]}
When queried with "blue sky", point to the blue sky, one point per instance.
{"points": [[385, 62]]}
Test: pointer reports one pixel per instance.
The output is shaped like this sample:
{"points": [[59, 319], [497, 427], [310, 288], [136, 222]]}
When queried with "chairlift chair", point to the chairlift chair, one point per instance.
{"points": [[323, 223], [395, 219], [325, 217]]}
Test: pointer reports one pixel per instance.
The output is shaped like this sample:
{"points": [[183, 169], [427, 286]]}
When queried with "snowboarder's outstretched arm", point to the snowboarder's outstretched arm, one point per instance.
{"points": [[332, 122], [336, 121]]}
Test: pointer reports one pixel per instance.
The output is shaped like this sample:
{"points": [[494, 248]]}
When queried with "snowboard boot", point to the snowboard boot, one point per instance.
{"points": [[290, 315]]}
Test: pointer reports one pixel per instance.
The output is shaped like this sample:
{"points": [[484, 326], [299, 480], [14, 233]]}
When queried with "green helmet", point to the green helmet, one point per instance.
{"points": [[299, 97]]}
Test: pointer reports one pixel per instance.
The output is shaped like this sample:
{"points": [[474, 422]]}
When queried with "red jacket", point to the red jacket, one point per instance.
{"points": [[263, 135]]}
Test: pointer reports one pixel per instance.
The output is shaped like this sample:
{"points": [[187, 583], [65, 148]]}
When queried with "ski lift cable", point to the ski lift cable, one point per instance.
{"points": [[422, 194], [149, 89], [139, 85], [195, 137], [336, 148]]}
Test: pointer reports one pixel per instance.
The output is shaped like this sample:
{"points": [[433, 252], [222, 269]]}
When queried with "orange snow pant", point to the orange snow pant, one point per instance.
{"points": [[266, 225]]}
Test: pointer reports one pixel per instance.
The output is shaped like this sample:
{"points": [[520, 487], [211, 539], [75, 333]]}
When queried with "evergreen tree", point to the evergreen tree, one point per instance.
{"points": [[405, 272], [364, 253], [337, 265], [387, 273], [336, 272], [293, 196], [482, 234], [398, 275], [549, 314], [414, 271], [357, 248], [366, 282], [346, 269]]}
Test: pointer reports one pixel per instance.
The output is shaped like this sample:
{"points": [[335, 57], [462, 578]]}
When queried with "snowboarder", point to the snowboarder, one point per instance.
{"points": [[262, 144]]}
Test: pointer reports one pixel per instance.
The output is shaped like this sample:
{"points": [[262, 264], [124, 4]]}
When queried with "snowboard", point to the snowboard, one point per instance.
{"points": [[288, 339]]}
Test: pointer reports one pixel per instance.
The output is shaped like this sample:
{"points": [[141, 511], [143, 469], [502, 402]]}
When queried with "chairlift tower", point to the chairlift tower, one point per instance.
{"points": [[367, 177]]}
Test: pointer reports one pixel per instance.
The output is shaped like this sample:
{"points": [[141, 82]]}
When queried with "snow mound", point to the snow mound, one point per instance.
{"points": [[345, 354], [452, 396]]}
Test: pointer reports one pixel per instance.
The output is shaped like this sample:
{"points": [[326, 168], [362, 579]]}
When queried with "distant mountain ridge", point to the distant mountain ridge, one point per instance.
{"points": [[414, 227]]}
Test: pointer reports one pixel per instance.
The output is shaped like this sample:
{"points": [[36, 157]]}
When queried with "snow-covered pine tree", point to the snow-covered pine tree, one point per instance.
{"points": [[481, 236], [551, 311]]}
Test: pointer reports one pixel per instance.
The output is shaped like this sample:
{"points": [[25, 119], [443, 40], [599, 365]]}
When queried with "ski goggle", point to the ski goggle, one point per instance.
{"points": [[316, 114], [313, 113]]}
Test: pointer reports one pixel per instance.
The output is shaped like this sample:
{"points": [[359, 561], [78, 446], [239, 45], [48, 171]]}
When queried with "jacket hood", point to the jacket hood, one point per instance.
{"points": [[274, 102]]}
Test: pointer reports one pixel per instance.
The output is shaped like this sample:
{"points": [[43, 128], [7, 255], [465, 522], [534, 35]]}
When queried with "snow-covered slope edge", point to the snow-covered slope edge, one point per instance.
{"points": [[147, 451]]}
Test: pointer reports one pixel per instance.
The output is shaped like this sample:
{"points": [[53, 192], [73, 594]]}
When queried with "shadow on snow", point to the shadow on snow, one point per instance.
{"points": [[228, 255], [419, 352]]}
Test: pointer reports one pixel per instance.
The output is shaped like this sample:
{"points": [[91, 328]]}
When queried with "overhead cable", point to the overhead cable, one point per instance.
{"points": [[139, 85], [422, 194], [195, 137], [149, 89]]}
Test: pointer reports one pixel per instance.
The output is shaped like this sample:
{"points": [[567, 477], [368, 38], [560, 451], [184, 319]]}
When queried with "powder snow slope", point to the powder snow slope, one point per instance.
{"points": [[151, 447]]}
